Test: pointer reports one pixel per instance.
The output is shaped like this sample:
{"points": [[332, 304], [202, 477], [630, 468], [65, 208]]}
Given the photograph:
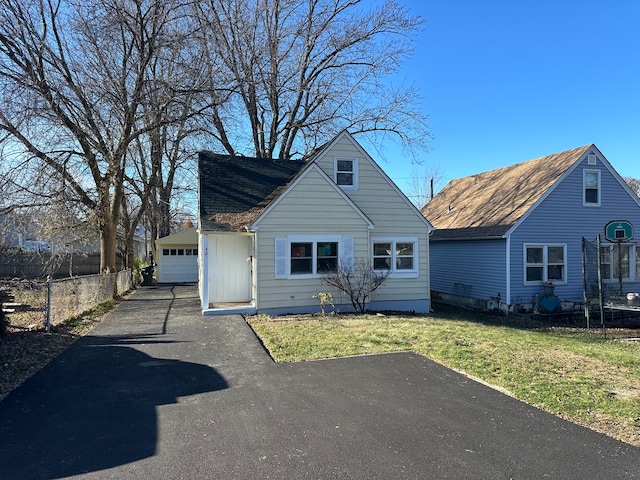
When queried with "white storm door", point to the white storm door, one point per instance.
{"points": [[230, 268]]}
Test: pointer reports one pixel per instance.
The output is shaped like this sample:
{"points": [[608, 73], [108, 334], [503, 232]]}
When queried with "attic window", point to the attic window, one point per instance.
{"points": [[591, 159], [346, 172], [591, 188]]}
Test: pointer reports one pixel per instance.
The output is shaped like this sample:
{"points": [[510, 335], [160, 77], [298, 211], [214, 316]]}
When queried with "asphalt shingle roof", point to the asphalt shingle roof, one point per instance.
{"points": [[488, 204], [235, 190]]}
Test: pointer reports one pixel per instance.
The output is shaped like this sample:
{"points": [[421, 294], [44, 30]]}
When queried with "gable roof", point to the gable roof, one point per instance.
{"points": [[234, 190], [336, 189], [488, 204], [185, 237], [365, 155]]}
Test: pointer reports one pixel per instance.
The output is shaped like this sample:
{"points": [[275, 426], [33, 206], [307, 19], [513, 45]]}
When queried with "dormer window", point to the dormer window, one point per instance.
{"points": [[591, 188], [346, 172]]}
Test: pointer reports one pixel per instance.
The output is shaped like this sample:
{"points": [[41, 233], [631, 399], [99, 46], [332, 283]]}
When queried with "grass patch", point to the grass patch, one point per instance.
{"points": [[576, 374]]}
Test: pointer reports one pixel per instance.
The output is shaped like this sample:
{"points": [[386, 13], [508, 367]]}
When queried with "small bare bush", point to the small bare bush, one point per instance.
{"points": [[358, 282]]}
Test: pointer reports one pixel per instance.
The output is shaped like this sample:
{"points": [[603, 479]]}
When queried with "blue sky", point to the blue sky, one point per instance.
{"points": [[509, 81]]}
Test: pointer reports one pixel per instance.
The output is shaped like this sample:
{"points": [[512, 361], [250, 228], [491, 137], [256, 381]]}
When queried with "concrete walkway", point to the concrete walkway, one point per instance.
{"points": [[159, 392]]}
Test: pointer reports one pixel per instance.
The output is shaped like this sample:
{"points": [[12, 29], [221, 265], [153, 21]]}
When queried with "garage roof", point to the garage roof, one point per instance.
{"points": [[185, 237]]}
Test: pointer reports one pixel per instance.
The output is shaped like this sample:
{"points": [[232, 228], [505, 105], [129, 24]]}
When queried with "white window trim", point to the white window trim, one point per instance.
{"points": [[584, 187], [354, 186], [415, 272], [633, 252], [545, 263], [343, 252]]}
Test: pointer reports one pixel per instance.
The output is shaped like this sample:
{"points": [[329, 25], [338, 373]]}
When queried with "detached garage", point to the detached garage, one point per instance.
{"points": [[177, 257]]}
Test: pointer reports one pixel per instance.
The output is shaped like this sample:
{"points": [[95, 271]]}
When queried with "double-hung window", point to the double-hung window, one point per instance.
{"points": [[617, 258], [346, 172], [591, 188], [545, 263], [399, 256], [312, 256]]}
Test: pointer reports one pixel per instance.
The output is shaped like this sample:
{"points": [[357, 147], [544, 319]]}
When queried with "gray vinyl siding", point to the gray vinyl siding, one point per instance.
{"points": [[561, 218], [391, 213], [470, 268], [311, 208]]}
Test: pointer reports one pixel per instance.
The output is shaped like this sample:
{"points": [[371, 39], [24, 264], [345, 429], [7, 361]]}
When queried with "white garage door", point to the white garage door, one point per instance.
{"points": [[178, 265]]}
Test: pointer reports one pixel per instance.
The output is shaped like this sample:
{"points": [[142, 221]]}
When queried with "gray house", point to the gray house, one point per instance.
{"points": [[269, 229], [503, 235]]}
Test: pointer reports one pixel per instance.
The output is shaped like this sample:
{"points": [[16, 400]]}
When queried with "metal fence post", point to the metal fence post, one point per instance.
{"points": [[600, 288], [48, 317]]}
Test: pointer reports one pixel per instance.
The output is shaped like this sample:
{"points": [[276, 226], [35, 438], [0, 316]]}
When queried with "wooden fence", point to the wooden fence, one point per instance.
{"points": [[41, 265]]}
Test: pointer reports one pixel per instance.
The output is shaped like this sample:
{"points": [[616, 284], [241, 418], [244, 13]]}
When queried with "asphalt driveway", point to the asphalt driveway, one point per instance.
{"points": [[157, 391]]}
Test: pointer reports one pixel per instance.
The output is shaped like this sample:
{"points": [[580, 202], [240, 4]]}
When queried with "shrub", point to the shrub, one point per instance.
{"points": [[358, 282]]}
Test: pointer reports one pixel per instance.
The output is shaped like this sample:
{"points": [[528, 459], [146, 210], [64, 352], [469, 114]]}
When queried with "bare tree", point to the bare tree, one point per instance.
{"points": [[100, 98], [74, 73], [357, 281], [163, 159], [301, 70], [425, 182], [634, 184]]}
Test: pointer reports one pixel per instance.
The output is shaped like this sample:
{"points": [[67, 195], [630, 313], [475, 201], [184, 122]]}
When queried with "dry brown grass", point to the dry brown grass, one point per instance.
{"points": [[27, 347]]}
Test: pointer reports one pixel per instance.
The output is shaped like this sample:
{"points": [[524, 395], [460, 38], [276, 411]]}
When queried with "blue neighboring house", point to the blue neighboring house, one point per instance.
{"points": [[507, 233]]}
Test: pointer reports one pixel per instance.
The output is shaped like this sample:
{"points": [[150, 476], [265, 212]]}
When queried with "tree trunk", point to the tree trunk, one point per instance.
{"points": [[153, 234], [108, 247], [130, 254], [165, 217]]}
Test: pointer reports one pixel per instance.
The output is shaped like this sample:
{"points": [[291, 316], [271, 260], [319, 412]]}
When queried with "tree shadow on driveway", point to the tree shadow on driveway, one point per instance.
{"points": [[93, 408]]}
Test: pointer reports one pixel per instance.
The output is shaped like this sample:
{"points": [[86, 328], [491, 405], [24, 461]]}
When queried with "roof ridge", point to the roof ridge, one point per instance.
{"points": [[499, 197], [515, 165]]}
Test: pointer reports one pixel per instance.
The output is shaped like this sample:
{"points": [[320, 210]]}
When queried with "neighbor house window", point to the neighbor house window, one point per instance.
{"points": [[346, 172], [399, 256], [591, 183], [545, 263], [611, 265]]}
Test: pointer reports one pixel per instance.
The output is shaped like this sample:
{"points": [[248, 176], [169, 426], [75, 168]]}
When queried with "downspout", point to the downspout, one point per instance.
{"points": [[429, 269], [254, 269], [369, 253], [204, 269], [508, 271]]}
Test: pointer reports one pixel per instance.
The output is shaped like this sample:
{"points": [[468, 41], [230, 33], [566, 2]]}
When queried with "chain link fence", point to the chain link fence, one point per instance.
{"points": [[591, 275], [592, 281]]}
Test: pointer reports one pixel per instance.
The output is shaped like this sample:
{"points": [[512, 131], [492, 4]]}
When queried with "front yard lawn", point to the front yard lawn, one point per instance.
{"points": [[571, 372]]}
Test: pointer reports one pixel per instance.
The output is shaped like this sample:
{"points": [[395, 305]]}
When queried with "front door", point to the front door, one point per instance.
{"points": [[230, 268]]}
